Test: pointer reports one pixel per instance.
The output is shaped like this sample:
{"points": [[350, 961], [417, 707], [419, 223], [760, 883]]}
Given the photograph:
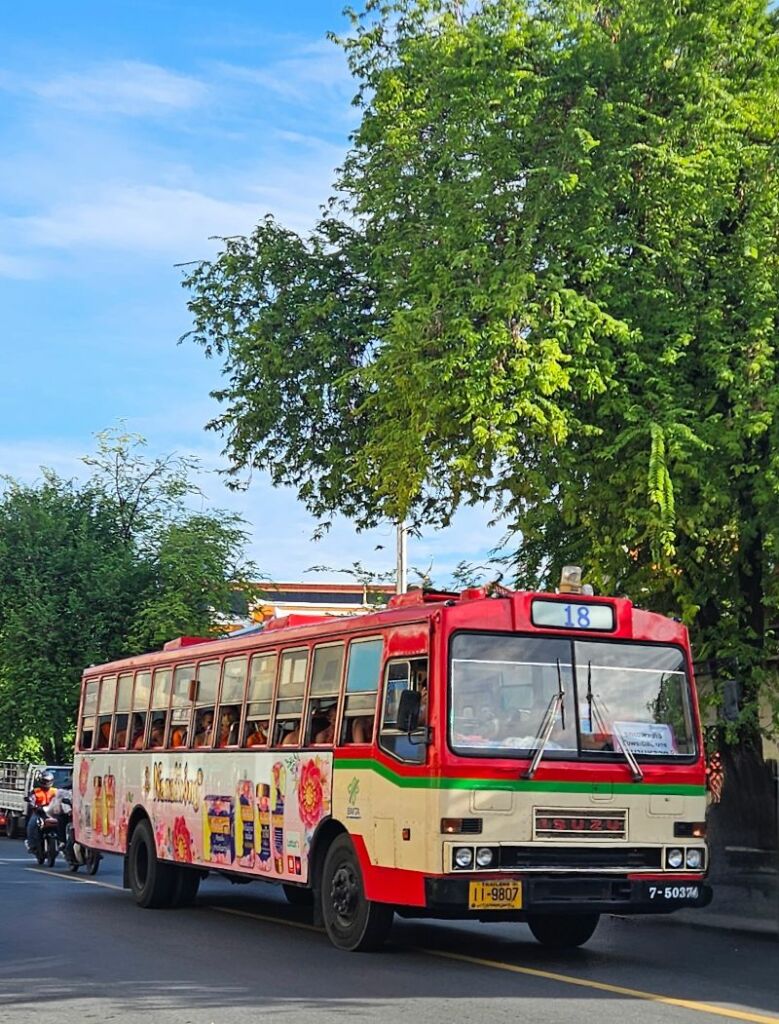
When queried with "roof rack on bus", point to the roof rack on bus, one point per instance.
{"points": [[420, 595], [186, 641]]}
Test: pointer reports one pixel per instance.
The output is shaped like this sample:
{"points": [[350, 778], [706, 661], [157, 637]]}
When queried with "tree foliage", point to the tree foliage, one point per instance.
{"points": [[547, 279], [90, 572]]}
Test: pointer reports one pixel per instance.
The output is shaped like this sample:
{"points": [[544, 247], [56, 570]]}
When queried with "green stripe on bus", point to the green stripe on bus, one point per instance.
{"points": [[515, 785]]}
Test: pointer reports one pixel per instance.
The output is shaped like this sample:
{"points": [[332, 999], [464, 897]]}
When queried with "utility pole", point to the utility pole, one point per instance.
{"points": [[401, 576]]}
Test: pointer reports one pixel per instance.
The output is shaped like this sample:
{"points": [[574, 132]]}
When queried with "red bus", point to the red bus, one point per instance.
{"points": [[513, 756]]}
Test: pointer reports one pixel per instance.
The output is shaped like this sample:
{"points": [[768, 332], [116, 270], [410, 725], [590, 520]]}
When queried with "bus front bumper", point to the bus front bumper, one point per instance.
{"points": [[555, 894]]}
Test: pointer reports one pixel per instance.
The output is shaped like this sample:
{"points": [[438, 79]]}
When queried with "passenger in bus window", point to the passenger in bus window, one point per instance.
{"points": [[104, 736], [292, 738], [178, 736], [362, 729], [228, 727], [157, 736], [257, 734], [137, 736], [205, 727], [327, 733]]}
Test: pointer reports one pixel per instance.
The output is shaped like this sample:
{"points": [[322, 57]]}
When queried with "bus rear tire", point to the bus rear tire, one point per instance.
{"points": [[352, 922], [151, 880], [563, 931]]}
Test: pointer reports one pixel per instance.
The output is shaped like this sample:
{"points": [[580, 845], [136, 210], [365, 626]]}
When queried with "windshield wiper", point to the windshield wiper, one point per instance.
{"points": [[557, 703], [630, 757], [601, 720]]}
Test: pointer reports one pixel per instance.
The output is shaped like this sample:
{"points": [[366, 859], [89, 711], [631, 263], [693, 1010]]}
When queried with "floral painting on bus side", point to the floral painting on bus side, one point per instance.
{"points": [[254, 813]]}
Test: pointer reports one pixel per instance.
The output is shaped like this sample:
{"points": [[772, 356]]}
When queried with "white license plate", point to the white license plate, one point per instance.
{"points": [[669, 893]]}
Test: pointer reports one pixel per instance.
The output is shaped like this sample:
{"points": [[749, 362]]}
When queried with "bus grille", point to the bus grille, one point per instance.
{"points": [[588, 858], [581, 825]]}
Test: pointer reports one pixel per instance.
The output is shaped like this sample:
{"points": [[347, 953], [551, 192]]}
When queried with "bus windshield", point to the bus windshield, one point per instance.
{"points": [[608, 699]]}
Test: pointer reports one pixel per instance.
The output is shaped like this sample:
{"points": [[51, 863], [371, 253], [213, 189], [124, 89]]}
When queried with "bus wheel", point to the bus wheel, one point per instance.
{"points": [[563, 931], [298, 895], [352, 922], [151, 880], [92, 860], [185, 886]]}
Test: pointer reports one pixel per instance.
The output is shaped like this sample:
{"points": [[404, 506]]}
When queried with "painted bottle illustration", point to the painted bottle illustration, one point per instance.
{"points": [[109, 806], [244, 824], [278, 785], [218, 845], [263, 808], [97, 805]]}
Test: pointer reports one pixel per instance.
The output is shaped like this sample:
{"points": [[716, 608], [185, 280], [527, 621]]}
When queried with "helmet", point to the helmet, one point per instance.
{"points": [[46, 779]]}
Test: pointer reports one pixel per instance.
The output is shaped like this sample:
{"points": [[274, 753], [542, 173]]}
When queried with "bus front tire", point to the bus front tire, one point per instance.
{"points": [[563, 931], [152, 881], [352, 922]]}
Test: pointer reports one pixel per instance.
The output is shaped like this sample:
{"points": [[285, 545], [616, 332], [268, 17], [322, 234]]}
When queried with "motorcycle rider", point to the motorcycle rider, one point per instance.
{"points": [[43, 792], [60, 812]]}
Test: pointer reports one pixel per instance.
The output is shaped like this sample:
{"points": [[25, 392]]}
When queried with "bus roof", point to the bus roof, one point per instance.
{"points": [[499, 609]]}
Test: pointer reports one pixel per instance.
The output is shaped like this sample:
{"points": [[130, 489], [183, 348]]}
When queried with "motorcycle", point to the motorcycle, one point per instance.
{"points": [[76, 854], [44, 846]]}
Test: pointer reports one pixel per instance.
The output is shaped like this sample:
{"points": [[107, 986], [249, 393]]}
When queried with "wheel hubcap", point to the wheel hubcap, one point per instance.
{"points": [[344, 892]]}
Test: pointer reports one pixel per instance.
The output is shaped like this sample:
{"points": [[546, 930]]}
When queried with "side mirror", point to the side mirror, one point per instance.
{"points": [[408, 710]]}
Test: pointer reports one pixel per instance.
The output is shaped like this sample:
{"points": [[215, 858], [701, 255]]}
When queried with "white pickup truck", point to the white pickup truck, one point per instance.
{"points": [[16, 781]]}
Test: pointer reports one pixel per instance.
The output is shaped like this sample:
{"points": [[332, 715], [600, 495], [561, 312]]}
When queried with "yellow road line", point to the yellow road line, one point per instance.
{"points": [[602, 986], [75, 878], [533, 972], [567, 979]]}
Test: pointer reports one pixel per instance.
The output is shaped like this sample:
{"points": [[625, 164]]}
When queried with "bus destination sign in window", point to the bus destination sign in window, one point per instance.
{"points": [[571, 615]]}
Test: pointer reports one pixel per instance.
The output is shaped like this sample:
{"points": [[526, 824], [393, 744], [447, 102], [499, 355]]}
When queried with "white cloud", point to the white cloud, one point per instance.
{"points": [[152, 219], [19, 269], [122, 87], [318, 73]]}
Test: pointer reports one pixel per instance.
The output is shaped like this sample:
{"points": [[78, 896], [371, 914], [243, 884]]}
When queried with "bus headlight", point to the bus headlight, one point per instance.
{"points": [[674, 858], [694, 858], [484, 857], [463, 857]]}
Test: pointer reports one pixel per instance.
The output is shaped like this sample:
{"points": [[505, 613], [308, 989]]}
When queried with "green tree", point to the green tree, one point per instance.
{"points": [[95, 571], [67, 584], [547, 279]]}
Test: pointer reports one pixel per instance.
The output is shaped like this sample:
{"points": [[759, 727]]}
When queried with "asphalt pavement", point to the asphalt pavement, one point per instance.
{"points": [[76, 950]]}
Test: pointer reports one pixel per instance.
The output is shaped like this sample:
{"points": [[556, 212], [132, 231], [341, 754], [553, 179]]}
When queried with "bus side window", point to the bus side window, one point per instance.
{"points": [[362, 686], [204, 727], [124, 702], [159, 707], [105, 710], [403, 675], [262, 677], [325, 688], [137, 731], [289, 709], [141, 696]]}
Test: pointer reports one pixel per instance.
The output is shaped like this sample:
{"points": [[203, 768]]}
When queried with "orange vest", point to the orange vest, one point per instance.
{"points": [[43, 796]]}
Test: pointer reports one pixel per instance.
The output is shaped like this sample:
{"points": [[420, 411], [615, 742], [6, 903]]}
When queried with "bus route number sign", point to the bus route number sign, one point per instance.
{"points": [[571, 615]]}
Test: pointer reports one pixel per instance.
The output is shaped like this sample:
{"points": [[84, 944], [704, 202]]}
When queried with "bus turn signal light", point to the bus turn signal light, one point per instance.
{"points": [[461, 826], [690, 829]]}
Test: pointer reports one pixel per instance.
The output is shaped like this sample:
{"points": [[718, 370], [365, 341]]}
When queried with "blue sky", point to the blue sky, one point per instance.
{"points": [[130, 132]]}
